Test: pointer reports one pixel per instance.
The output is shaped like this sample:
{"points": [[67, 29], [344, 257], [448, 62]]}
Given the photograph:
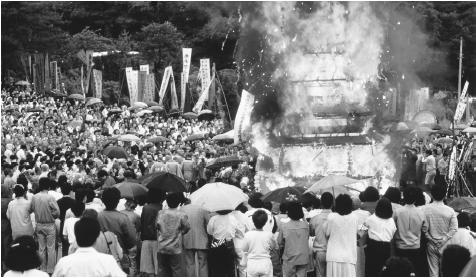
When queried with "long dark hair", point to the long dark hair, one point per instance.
{"points": [[23, 254]]}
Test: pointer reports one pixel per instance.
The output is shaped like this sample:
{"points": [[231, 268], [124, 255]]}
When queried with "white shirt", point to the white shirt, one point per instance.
{"points": [[26, 273], [55, 194], [380, 229], [68, 229], [258, 244], [88, 262]]}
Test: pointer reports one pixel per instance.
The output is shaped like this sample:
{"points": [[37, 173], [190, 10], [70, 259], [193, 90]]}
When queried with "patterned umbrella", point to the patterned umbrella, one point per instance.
{"points": [[131, 190], [93, 101], [76, 96], [115, 152], [189, 115], [284, 194]]}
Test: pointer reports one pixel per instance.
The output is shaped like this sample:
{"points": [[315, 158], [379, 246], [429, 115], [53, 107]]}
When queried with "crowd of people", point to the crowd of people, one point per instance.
{"points": [[63, 216]]}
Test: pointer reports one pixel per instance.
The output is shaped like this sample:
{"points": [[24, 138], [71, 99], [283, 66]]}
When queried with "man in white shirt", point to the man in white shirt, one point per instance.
{"points": [[430, 164], [86, 261]]}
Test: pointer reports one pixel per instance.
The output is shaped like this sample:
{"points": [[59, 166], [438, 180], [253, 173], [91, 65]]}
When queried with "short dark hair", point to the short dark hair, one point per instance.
{"points": [[90, 213], [393, 194], [454, 259], [174, 200], [77, 208], [310, 200], [420, 200], [283, 207], [255, 202], [22, 180], [156, 195], [410, 195], [19, 190], [397, 267], [260, 217], [23, 254], [268, 206], [65, 188], [438, 192], [464, 220], [370, 194], [110, 198], [86, 231], [327, 200], [102, 173], [44, 184], [343, 204], [295, 210], [384, 208]]}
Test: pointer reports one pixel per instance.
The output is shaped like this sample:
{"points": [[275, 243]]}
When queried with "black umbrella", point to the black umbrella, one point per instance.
{"points": [[224, 162], [444, 132], [167, 182], [115, 152], [284, 194], [206, 115], [34, 110]]}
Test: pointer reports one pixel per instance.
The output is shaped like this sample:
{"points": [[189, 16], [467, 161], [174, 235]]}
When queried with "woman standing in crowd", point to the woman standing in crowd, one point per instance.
{"points": [[23, 259], [18, 213]]}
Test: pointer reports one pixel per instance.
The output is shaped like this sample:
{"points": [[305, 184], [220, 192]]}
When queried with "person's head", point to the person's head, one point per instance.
{"points": [[174, 200], [110, 198], [130, 204], [156, 195], [343, 204], [86, 231], [255, 202], [438, 192], [283, 208], [22, 180], [295, 210], [397, 267], [384, 209], [428, 153], [310, 201], [102, 174], [327, 200], [268, 206], [260, 217], [393, 194], [454, 259], [370, 194], [420, 200], [464, 220], [19, 190], [23, 254], [410, 195], [77, 208], [44, 184], [90, 213]]}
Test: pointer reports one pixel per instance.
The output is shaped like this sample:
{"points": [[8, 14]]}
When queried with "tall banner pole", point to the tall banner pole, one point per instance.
{"points": [[82, 85]]}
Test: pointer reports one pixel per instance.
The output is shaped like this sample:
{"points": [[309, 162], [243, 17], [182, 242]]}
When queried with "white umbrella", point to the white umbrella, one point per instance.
{"points": [[128, 138], [218, 196], [330, 182], [470, 130], [140, 105], [229, 135], [143, 112]]}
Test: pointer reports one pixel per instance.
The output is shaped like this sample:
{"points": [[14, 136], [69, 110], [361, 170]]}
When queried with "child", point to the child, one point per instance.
{"points": [[68, 228], [258, 244]]}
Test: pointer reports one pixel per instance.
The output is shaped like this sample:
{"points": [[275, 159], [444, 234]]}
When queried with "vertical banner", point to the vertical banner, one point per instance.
{"points": [[461, 103], [34, 79], [128, 71], [89, 66], [149, 88], [173, 92], [205, 73], [97, 77], [452, 169], [243, 115], [165, 82], [141, 85], [187, 58], [134, 86], [58, 76], [183, 91], [53, 75], [144, 68], [203, 97]]}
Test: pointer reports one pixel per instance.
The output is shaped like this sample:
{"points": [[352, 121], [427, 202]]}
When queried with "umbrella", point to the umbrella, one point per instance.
{"points": [[284, 194], [128, 138], [444, 140], [330, 183], [227, 136], [115, 152], [224, 161], [157, 139], [462, 203], [93, 101], [422, 131], [189, 115], [131, 190], [140, 105], [9, 108], [425, 117], [460, 126], [470, 130], [147, 178], [22, 83], [115, 110], [444, 132], [167, 182], [193, 137], [401, 126], [35, 110], [76, 96], [75, 124], [148, 145], [143, 112], [151, 103], [206, 115], [218, 196], [156, 108]]}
